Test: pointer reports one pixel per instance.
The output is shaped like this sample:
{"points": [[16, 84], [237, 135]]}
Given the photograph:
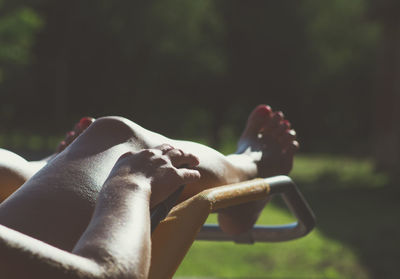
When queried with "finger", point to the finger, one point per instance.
{"points": [[126, 155], [180, 158], [147, 154], [188, 175], [165, 147]]}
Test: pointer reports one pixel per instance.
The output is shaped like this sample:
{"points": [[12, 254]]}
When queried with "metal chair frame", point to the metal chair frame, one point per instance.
{"points": [[175, 234]]}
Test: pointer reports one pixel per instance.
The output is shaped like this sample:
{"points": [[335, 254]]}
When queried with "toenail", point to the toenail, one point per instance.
{"points": [[61, 146], [286, 123], [70, 134], [85, 122], [292, 133], [165, 147], [263, 109]]}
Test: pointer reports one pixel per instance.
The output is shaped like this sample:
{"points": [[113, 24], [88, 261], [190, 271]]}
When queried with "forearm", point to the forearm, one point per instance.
{"points": [[24, 257], [118, 236], [116, 244]]}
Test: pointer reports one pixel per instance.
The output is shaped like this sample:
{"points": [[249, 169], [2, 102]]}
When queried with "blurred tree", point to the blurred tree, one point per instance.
{"points": [[340, 97], [387, 95], [267, 57], [180, 66], [18, 25], [131, 58]]}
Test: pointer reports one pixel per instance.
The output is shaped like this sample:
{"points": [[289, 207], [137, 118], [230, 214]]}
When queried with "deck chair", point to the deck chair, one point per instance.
{"points": [[174, 235]]}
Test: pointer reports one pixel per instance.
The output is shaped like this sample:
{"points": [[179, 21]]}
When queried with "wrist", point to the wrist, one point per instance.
{"points": [[122, 185]]}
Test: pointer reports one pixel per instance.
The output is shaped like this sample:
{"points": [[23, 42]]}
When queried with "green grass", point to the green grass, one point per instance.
{"points": [[336, 172], [28, 142], [356, 236], [309, 257]]}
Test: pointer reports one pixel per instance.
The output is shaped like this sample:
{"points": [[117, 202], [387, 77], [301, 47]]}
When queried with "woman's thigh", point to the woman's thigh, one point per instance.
{"points": [[56, 204]]}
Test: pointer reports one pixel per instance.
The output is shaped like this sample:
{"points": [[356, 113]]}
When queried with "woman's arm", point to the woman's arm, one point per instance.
{"points": [[118, 236], [116, 243]]}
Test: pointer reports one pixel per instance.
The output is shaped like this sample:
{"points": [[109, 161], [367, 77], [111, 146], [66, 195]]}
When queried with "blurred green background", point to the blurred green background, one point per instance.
{"points": [[195, 69]]}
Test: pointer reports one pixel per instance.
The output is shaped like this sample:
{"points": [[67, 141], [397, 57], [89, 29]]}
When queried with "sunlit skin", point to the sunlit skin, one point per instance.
{"points": [[88, 193]]}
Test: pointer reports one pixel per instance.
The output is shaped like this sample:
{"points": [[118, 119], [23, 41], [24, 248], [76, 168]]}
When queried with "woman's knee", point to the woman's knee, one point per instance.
{"points": [[115, 127], [109, 131]]}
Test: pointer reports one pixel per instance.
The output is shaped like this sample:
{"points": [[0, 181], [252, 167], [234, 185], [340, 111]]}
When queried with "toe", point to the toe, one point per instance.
{"points": [[277, 119], [70, 136], [62, 145], [271, 128], [293, 147], [287, 138], [283, 128], [83, 124], [86, 122], [258, 119]]}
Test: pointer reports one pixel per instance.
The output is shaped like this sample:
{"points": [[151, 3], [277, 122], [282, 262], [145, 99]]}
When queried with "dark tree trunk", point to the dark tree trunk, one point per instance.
{"points": [[387, 97]]}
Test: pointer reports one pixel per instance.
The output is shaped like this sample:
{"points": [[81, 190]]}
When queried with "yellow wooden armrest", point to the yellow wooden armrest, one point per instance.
{"points": [[175, 234]]}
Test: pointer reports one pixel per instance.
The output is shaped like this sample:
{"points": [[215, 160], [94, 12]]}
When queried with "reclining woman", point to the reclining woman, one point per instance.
{"points": [[85, 214]]}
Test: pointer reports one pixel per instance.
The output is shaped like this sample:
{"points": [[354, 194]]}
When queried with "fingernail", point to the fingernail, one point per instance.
{"points": [[126, 154]]}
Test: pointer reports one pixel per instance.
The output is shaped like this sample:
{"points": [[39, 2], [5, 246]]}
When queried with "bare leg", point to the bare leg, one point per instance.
{"points": [[266, 148], [69, 185], [267, 145], [116, 243], [62, 195], [15, 170]]}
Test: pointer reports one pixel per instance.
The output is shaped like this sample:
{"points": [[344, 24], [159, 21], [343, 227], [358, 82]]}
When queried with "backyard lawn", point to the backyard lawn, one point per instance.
{"points": [[357, 234]]}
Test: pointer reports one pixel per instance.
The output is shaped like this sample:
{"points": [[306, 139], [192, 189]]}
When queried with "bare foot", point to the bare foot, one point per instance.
{"points": [[269, 140], [270, 143], [72, 135]]}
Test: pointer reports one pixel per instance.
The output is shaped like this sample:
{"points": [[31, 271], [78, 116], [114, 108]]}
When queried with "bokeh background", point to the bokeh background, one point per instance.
{"points": [[195, 69]]}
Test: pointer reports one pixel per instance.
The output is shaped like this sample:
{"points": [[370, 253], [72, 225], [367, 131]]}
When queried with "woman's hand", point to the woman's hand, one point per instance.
{"points": [[160, 170]]}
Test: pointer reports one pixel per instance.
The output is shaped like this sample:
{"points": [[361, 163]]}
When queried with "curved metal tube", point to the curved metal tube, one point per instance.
{"points": [[295, 201]]}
